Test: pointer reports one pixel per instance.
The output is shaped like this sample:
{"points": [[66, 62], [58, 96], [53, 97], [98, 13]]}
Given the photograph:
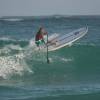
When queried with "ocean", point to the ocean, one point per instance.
{"points": [[73, 72]]}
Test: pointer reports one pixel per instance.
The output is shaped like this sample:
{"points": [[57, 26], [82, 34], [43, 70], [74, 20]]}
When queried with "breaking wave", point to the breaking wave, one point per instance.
{"points": [[19, 56]]}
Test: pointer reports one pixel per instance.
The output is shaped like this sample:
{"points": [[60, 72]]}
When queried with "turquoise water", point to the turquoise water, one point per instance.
{"points": [[73, 72]]}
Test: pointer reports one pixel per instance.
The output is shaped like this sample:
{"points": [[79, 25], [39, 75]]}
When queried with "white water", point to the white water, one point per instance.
{"points": [[12, 64]]}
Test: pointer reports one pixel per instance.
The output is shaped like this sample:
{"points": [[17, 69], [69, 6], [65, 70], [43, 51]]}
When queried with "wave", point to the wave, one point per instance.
{"points": [[67, 76], [16, 59], [12, 62], [13, 65], [7, 41], [52, 92], [86, 44], [12, 19], [11, 39]]}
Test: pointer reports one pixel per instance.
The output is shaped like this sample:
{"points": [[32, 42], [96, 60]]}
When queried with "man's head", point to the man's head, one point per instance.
{"points": [[41, 27]]}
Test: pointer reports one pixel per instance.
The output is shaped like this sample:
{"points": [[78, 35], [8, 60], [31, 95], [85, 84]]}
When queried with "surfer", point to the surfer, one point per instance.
{"points": [[39, 39]]}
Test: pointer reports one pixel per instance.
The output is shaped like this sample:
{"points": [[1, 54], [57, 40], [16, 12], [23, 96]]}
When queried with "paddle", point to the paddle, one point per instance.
{"points": [[47, 51]]}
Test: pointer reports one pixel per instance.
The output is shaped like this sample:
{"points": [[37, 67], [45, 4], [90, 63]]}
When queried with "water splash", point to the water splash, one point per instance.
{"points": [[12, 63]]}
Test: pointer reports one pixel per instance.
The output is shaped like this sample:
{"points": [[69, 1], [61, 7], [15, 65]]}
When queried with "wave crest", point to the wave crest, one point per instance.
{"points": [[12, 63]]}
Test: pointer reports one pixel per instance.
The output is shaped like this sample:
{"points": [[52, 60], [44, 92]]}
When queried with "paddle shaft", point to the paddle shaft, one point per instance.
{"points": [[47, 51]]}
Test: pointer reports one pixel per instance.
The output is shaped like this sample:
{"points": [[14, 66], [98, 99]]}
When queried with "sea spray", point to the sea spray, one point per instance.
{"points": [[12, 63]]}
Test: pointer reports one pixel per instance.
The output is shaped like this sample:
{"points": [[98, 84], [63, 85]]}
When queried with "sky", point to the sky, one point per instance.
{"points": [[49, 7]]}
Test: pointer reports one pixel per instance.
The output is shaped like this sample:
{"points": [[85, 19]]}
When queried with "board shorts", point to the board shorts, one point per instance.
{"points": [[40, 42]]}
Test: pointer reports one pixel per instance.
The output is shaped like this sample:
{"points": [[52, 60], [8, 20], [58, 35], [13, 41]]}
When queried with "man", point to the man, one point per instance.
{"points": [[39, 39]]}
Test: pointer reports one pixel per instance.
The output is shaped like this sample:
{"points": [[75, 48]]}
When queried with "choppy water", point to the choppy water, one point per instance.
{"points": [[73, 72]]}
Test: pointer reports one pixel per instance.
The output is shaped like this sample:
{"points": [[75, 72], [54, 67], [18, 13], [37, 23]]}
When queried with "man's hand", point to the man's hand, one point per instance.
{"points": [[45, 33]]}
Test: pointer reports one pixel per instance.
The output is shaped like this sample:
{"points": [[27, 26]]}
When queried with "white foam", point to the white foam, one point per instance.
{"points": [[53, 36], [5, 50], [66, 59], [61, 59], [13, 19], [12, 64], [6, 39], [14, 47], [8, 49]]}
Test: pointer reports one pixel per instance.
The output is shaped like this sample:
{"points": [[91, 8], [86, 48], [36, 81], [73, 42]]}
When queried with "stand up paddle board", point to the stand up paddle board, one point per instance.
{"points": [[66, 39]]}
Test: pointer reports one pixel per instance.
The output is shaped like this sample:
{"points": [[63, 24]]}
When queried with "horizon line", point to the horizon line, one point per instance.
{"points": [[51, 15]]}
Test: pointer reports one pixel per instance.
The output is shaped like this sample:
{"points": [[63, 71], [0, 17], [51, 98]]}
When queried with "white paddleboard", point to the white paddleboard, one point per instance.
{"points": [[66, 39]]}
